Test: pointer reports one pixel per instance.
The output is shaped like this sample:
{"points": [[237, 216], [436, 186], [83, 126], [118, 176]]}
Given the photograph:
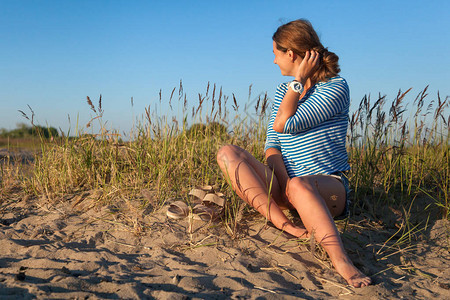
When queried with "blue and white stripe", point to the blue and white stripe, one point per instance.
{"points": [[313, 140]]}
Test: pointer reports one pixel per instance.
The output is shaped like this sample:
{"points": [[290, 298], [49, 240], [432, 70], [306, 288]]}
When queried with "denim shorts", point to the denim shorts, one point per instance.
{"points": [[344, 179]]}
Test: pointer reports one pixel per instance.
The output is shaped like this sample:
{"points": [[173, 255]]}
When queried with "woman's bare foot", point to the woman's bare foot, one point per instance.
{"points": [[296, 231], [351, 274]]}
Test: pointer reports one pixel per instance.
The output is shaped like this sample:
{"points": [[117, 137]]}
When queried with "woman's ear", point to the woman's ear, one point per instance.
{"points": [[292, 55]]}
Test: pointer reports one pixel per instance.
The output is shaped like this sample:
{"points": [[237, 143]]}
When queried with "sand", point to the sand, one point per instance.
{"points": [[74, 250]]}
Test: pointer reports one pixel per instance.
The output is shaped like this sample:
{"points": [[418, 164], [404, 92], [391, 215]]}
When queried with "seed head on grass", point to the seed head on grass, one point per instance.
{"points": [[90, 104]]}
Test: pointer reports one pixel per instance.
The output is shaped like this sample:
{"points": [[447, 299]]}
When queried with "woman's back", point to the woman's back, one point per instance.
{"points": [[313, 140]]}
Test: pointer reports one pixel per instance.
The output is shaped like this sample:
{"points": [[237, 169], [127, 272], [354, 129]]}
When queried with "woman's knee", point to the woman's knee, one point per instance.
{"points": [[329, 189], [227, 153], [300, 185]]}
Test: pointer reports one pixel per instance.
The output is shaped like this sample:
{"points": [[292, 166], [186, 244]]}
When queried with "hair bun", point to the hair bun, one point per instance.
{"points": [[330, 61]]}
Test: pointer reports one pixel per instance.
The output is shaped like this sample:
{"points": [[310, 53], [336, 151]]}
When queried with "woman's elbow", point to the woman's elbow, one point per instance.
{"points": [[278, 127]]}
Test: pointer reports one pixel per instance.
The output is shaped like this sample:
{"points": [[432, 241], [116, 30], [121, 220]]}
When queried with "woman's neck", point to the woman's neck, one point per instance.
{"points": [[309, 83]]}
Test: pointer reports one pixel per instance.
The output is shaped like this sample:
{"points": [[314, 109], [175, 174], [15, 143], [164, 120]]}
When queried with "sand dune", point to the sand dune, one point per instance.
{"points": [[75, 252]]}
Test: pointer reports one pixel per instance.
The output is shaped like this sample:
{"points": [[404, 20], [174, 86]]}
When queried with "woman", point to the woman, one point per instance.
{"points": [[305, 147]]}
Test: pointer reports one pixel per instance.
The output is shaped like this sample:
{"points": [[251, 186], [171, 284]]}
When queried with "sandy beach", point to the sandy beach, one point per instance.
{"points": [[75, 250]]}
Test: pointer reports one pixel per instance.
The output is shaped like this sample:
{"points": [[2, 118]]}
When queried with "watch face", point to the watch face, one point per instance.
{"points": [[297, 87]]}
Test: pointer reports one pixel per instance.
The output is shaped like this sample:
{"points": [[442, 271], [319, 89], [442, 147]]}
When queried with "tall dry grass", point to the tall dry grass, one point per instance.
{"points": [[397, 154]]}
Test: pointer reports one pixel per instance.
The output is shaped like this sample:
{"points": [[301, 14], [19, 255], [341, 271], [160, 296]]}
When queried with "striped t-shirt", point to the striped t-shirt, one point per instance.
{"points": [[313, 139]]}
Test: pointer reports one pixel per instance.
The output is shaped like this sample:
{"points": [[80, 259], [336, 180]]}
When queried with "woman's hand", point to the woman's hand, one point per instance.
{"points": [[308, 66]]}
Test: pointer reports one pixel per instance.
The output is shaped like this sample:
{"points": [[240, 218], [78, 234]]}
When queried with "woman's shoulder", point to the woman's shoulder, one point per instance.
{"points": [[283, 86], [281, 90], [335, 85], [334, 81]]}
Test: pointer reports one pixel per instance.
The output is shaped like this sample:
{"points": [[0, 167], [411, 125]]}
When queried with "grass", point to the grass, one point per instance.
{"points": [[395, 157], [15, 144]]}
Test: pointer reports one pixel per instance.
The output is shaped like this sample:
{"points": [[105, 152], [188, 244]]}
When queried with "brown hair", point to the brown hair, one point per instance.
{"points": [[299, 36]]}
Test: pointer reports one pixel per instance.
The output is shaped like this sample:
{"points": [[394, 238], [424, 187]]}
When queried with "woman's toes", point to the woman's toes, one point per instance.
{"points": [[359, 280]]}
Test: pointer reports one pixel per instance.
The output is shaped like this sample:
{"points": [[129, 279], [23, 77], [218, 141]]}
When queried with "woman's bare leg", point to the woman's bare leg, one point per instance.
{"points": [[317, 199], [251, 180]]}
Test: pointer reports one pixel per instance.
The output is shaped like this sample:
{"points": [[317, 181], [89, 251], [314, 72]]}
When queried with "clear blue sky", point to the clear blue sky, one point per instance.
{"points": [[55, 53]]}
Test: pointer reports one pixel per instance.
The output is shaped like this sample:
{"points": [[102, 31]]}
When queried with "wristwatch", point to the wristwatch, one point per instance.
{"points": [[296, 86]]}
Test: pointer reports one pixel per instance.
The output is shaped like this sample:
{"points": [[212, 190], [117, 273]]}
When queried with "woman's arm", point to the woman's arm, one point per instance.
{"points": [[287, 109], [288, 106], [330, 99]]}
